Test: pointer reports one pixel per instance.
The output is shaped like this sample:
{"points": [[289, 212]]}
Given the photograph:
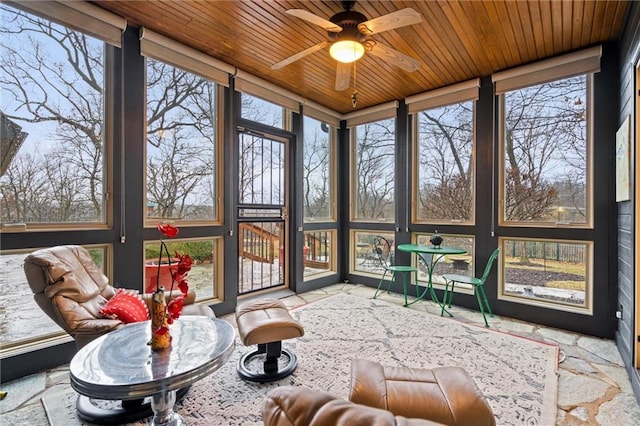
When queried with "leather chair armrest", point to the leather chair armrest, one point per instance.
{"points": [[94, 328], [368, 384], [97, 326], [189, 299]]}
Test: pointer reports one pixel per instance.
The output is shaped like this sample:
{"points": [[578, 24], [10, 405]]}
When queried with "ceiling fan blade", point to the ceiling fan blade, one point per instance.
{"points": [[343, 76], [394, 57], [299, 55], [315, 19], [400, 18]]}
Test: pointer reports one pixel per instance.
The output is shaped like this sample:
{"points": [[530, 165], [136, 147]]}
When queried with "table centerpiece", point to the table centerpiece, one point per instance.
{"points": [[163, 313]]}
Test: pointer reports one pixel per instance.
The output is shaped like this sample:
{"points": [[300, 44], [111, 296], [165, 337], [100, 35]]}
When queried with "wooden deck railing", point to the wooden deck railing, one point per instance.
{"points": [[256, 243]]}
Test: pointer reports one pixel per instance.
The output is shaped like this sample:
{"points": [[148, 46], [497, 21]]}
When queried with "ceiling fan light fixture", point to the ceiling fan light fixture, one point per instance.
{"points": [[346, 50]]}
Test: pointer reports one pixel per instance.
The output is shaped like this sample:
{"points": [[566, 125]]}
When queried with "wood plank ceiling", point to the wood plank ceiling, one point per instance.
{"points": [[456, 40]]}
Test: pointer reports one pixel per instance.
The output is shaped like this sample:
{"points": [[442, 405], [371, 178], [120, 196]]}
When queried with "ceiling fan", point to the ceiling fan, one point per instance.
{"points": [[349, 33]]}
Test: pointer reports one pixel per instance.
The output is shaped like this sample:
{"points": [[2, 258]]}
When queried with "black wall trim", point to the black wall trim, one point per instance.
{"points": [[36, 361], [623, 228]]}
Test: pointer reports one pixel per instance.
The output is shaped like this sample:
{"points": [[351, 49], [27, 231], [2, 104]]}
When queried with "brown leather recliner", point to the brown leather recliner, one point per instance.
{"points": [[446, 395], [71, 289], [300, 406], [385, 396]]}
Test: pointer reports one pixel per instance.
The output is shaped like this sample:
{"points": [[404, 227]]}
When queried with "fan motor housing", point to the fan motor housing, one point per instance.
{"points": [[348, 20]]}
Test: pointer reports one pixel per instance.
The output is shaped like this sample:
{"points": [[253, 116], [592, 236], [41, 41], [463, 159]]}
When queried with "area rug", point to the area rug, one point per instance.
{"points": [[518, 376]]}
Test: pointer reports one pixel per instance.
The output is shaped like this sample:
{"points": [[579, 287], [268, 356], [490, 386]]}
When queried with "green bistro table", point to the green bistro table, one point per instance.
{"points": [[435, 254]]}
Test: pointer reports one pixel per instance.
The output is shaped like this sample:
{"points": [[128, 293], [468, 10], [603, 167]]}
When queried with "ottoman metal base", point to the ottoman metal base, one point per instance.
{"points": [[266, 323], [277, 363]]}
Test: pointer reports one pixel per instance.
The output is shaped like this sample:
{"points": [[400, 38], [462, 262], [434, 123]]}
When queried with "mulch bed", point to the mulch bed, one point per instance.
{"points": [[536, 277], [520, 275]]}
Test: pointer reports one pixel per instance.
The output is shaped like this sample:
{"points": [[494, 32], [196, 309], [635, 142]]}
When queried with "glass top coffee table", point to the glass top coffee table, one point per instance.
{"points": [[121, 365]]}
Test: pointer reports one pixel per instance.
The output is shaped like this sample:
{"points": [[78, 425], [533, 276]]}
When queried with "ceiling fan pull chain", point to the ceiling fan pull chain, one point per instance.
{"points": [[354, 95]]}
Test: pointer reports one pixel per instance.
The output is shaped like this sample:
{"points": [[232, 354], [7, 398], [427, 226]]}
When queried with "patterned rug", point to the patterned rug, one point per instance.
{"points": [[518, 376]]}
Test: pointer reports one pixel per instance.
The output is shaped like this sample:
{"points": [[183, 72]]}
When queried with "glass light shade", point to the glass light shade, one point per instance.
{"points": [[346, 51]]}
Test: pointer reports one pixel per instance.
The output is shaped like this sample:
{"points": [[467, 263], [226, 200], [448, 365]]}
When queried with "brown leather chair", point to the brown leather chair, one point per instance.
{"points": [[385, 396], [300, 406], [446, 395], [71, 289]]}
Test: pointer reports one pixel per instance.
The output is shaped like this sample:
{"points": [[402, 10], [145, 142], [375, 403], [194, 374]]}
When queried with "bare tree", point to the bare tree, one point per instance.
{"points": [[248, 173], [316, 179], [51, 74], [545, 145], [168, 183], [25, 191], [67, 89], [375, 170], [545, 151], [445, 163], [261, 111], [181, 136], [261, 160]]}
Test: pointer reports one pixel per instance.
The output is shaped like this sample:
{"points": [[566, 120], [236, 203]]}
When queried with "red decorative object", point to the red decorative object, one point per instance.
{"points": [[167, 230], [160, 337], [163, 314], [151, 269], [126, 307]]}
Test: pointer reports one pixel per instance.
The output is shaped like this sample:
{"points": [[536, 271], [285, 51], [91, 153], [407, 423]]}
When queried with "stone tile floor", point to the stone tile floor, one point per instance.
{"points": [[593, 387]]}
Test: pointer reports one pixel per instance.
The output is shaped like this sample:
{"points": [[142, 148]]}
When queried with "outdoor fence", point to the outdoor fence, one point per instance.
{"points": [[560, 252]]}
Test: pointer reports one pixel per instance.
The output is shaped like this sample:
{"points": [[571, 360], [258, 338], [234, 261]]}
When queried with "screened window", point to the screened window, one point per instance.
{"points": [[547, 272], [546, 180], [262, 170], [52, 113], [23, 321], [461, 264], [261, 111], [205, 274], [182, 145], [318, 252], [318, 170], [364, 258], [444, 164], [545, 154], [373, 147]]}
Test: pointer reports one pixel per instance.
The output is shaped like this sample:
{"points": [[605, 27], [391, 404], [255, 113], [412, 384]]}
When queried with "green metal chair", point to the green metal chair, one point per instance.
{"points": [[382, 250], [477, 283]]}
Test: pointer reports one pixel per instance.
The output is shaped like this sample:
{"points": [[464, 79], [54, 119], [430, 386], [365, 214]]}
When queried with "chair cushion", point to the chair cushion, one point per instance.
{"points": [[265, 321], [126, 307]]}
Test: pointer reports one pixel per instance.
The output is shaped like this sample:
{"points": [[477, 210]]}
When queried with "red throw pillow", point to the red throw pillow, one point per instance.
{"points": [[126, 307]]}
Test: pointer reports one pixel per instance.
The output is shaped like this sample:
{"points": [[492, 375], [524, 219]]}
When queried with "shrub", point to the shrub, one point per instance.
{"points": [[200, 251]]}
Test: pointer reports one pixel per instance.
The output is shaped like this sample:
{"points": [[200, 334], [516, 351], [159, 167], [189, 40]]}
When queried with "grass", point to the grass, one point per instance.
{"points": [[566, 285], [562, 281], [548, 265]]}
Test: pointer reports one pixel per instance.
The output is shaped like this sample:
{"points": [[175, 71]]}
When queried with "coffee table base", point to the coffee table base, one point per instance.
{"points": [[130, 412], [163, 414]]}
